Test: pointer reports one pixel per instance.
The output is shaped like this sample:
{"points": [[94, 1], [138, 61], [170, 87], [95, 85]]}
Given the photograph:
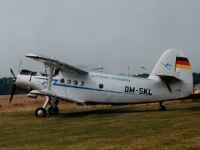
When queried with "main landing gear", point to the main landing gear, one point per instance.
{"points": [[162, 107], [52, 110]]}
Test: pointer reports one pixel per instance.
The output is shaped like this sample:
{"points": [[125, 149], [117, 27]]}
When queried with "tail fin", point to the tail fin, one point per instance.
{"points": [[175, 70]]}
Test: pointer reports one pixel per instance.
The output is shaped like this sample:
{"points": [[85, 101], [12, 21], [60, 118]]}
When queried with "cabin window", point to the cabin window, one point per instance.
{"points": [[69, 81], [62, 81], [101, 86], [82, 83], [75, 82], [44, 71]]}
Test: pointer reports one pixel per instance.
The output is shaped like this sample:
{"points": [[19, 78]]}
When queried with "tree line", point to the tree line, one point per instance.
{"points": [[6, 84]]}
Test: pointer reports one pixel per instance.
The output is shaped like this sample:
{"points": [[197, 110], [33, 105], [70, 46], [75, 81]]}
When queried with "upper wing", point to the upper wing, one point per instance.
{"points": [[55, 63]]}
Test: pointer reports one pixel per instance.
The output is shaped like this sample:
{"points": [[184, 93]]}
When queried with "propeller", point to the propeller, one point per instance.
{"points": [[14, 80], [14, 77], [14, 85], [13, 92]]}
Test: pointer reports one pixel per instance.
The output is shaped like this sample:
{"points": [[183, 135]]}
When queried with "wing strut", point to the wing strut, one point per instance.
{"points": [[50, 79]]}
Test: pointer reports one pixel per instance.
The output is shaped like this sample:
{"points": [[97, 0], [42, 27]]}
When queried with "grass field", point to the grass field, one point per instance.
{"points": [[102, 127]]}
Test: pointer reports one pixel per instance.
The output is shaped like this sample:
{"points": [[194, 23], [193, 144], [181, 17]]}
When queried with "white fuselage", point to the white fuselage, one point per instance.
{"points": [[103, 88]]}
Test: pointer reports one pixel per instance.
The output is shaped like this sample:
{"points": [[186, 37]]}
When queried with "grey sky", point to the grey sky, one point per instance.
{"points": [[112, 33]]}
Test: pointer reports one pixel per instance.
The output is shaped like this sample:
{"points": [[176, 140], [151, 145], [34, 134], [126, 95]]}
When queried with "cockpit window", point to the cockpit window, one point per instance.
{"points": [[33, 73], [25, 72], [56, 72]]}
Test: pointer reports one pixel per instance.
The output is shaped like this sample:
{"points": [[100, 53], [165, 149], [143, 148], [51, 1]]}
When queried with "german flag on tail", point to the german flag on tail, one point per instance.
{"points": [[182, 63]]}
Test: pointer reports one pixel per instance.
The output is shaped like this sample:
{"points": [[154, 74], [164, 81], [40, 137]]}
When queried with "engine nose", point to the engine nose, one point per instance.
{"points": [[27, 80], [23, 81]]}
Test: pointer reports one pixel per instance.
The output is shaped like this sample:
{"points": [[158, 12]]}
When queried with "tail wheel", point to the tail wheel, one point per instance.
{"points": [[40, 112], [53, 110], [162, 107]]}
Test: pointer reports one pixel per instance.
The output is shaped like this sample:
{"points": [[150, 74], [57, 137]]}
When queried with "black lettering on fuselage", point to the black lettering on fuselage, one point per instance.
{"points": [[132, 90], [129, 89], [141, 91], [126, 89], [144, 91], [150, 92]]}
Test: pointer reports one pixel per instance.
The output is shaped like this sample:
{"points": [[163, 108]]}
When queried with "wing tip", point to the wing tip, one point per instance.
{"points": [[31, 55]]}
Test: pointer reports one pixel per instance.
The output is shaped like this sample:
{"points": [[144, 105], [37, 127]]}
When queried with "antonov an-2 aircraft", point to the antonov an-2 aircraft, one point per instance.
{"points": [[170, 79]]}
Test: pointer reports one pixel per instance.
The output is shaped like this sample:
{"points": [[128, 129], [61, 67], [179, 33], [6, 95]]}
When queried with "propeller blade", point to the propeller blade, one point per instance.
{"points": [[13, 74], [13, 92]]}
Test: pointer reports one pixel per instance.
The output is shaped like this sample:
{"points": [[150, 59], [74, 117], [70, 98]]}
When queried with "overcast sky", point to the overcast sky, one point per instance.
{"points": [[111, 33]]}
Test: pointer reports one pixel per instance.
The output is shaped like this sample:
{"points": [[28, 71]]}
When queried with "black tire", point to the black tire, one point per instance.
{"points": [[163, 108], [53, 110], [40, 112]]}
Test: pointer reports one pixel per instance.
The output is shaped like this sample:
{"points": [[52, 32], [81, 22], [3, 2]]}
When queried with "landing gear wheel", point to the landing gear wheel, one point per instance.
{"points": [[53, 110], [162, 107], [40, 112]]}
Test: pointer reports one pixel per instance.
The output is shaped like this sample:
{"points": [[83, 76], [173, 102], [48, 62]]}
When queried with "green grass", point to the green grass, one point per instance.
{"points": [[127, 127]]}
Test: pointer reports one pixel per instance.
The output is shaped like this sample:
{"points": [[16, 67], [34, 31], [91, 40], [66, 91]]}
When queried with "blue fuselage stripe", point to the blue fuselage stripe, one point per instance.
{"points": [[84, 88], [78, 87]]}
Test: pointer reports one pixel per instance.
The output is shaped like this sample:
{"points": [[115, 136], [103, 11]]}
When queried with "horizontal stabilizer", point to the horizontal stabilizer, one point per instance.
{"points": [[169, 78]]}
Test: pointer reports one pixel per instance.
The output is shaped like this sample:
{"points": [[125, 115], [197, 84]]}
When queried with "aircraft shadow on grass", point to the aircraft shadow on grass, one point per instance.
{"points": [[194, 108], [105, 111], [118, 111]]}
